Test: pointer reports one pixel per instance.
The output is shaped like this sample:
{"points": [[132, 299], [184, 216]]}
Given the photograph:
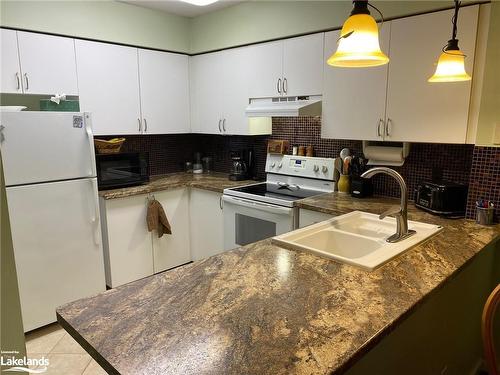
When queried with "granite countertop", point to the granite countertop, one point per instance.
{"points": [[216, 182], [263, 309]]}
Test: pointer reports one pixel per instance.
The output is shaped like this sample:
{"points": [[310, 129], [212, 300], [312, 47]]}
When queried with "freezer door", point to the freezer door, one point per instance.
{"points": [[57, 246], [46, 146]]}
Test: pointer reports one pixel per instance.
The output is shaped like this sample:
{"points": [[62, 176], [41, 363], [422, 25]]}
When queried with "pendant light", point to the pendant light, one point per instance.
{"points": [[358, 45], [451, 63]]}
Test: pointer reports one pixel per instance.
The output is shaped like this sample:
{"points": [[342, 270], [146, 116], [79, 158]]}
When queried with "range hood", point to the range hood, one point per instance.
{"points": [[284, 106]]}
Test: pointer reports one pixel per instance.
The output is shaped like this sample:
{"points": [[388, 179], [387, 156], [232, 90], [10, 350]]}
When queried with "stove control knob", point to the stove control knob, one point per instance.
{"points": [[316, 168], [273, 164], [324, 169], [280, 165]]}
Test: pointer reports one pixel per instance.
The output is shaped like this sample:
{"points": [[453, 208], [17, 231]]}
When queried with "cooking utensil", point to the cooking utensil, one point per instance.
{"points": [[337, 162], [344, 153]]}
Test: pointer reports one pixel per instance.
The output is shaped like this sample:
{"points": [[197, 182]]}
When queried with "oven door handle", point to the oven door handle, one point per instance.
{"points": [[271, 208]]}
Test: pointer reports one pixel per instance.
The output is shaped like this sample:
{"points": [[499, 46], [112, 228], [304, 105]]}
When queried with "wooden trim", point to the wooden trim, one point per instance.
{"points": [[489, 310]]}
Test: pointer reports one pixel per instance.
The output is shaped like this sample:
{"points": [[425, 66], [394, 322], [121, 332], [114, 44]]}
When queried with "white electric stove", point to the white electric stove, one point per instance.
{"points": [[266, 209]]}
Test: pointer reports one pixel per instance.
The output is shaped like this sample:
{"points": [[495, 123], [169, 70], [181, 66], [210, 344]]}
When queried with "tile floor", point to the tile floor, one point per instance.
{"points": [[66, 356]]}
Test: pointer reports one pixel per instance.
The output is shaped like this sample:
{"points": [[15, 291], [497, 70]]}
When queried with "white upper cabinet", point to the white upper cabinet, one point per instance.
{"points": [[417, 110], [264, 71], [206, 78], [10, 69], [395, 102], [303, 65], [48, 64], [108, 77], [354, 99], [233, 90], [164, 86]]}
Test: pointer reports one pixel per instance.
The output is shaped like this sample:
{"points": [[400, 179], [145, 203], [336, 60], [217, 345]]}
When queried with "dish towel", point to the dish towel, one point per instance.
{"points": [[157, 219]]}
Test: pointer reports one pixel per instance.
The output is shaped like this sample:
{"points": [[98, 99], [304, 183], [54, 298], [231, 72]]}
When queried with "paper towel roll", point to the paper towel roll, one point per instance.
{"points": [[384, 154]]}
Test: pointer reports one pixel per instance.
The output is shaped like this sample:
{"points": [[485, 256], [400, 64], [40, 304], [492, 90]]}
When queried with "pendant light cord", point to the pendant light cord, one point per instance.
{"points": [[379, 12], [381, 24], [454, 21]]}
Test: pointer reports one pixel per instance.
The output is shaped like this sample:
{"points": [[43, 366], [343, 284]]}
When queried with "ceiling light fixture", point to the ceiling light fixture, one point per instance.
{"points": [[451, 63], [358, 45], [200, 3]]}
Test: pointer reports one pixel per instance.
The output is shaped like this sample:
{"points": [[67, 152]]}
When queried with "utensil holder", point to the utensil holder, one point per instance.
{"points": [[344, 184], [484, 216]]}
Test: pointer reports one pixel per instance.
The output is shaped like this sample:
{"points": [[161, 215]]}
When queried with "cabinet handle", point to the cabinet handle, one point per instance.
{"points": [[279, 85], [27, 81], [224, 125], [220, 130], [387, 132], [18, 81], [285, 85], [221, 203], [140, 125], [145, 126], [380, 122]]}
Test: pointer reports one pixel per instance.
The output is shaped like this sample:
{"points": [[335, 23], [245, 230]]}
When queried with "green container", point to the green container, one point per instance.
{"points": [[63, 106]]}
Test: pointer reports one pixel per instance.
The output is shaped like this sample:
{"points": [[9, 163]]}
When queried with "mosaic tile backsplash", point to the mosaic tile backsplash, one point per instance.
{"points": [[484, 179], [477, 166]]}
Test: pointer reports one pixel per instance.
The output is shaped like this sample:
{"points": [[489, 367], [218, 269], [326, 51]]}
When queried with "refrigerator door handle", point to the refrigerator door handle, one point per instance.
{"points": [[88, 129], [95, 217]]}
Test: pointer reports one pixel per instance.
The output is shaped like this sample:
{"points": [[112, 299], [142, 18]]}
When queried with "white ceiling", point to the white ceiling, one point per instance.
{"points": [[181, 8]]}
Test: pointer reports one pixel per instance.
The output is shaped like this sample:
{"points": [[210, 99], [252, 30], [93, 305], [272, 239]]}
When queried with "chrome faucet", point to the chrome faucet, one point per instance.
{"points": [[400, 213]]}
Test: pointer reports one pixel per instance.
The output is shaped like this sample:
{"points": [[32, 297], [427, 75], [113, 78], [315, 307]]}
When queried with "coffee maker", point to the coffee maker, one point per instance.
{"points": [[242, 165]]}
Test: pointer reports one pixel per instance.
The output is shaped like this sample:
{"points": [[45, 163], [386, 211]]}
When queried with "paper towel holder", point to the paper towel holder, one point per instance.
{"points": [[402, 147]]}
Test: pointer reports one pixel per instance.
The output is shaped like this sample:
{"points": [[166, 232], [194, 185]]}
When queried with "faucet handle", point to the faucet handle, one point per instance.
{"points": [[393, 211]]}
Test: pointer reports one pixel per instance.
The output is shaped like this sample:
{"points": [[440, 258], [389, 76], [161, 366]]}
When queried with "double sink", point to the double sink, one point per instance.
{"points": [[357, 238]]}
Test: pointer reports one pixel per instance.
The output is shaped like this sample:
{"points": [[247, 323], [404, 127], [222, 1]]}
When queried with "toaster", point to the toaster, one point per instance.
{"points": [[442, 197]]}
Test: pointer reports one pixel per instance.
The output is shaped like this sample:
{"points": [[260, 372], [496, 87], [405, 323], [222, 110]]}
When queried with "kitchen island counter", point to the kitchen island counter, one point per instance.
{"points": [[263, 309]]}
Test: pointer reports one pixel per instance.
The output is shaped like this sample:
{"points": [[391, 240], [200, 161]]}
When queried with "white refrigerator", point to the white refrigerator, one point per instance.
{"points": [[50, 177]]}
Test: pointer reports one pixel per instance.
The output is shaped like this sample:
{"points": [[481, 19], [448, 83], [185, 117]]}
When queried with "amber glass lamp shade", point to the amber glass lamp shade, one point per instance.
{"points": [[450, 67], [358, 45]]}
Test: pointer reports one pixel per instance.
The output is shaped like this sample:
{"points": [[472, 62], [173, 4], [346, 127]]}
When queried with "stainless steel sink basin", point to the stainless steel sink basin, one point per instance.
{"points": [[356, 238]]}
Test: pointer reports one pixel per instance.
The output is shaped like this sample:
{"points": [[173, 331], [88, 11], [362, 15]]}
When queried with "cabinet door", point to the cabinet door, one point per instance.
{"points": [[10, 73], [172, 250], [206, 74], [233, 91], [108, 77], [419, 111], [303, 65], [164, 82], [354, 98], [264, 64], [128, 251], [48, 64], [207, 223]]}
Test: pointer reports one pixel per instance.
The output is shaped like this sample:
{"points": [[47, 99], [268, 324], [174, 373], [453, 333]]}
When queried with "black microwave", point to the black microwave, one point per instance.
{"points": [[122, 170]]}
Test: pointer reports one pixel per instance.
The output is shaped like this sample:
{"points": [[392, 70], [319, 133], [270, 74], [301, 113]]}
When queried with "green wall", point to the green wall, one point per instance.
{"points": [[102, 20], [256, 21], [489, 112], [11, 324]]}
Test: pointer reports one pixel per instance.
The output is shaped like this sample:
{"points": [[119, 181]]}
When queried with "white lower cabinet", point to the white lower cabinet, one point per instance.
{"points": [[130, 251], [308, 217], [173, 250], [207, 224], [127, 244]]}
